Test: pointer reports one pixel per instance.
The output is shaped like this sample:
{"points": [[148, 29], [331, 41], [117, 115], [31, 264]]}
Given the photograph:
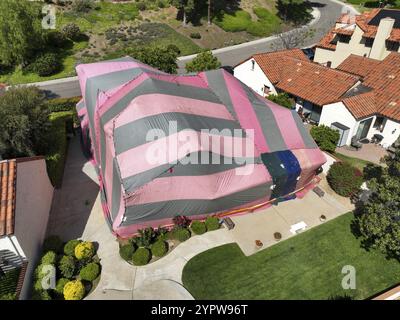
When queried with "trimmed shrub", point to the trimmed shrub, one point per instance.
{"points": [[74, 290], [41, 295], [141, 257], [212, 223], [67, 266], [71, 31], [126, 251], [195, 35], [198, 227], [60, 286], [344, 179], [46, 65], [53, 243], [49, 257], [90, 272], [325, 137], [69, 248], [159, 248], [84, 250], [181, 234]]}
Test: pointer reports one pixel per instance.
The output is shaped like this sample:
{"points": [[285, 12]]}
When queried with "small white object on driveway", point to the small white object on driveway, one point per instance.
{"points": [[297, 227]]}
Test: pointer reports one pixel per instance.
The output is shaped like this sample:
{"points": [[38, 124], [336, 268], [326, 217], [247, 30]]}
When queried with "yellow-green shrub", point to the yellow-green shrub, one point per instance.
{"points": [[84, 250], [74, 290]]}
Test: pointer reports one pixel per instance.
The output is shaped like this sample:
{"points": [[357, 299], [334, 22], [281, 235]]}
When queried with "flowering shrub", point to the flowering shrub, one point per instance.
{"points": [[181, 221], [69, 248], [74, 290], [84, 250]]}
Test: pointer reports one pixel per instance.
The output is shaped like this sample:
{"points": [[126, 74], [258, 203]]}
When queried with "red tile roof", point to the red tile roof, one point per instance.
{"points": [[358, 65], [362, 105], [272, 63], [8, 176]]}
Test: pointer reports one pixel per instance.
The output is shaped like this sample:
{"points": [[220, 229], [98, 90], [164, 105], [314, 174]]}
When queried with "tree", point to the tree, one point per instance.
{"points": [[294, 11], [378, 219], [24, 122], [325, 137], [21, 33], [293, 38], [282, 99], [202, 62], [162, 58]]}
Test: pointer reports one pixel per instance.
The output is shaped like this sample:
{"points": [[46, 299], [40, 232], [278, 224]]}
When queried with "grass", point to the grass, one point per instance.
{"points": [[355, 162], [241, 20], [307, 266]]}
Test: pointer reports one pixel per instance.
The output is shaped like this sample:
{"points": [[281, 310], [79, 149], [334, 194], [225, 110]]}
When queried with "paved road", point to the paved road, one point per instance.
{"points": [[329, 10]]}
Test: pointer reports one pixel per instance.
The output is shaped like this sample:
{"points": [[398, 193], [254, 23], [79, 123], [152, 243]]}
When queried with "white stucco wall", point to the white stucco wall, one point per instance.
{"points": [[337, 112], [255, 79], [390, 132], [33, 203]]}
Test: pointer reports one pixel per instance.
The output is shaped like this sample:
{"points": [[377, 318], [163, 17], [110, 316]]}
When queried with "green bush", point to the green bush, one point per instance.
{"points": [[8, 296], [195, 35], [84, 250], [49, 257], [212, 223], [325, 137], [53, 243], [41, 295], [159, 248], [141, 257], [198, 227], [69, 248], [90, 272], [344, 179], [181, 234], [46, 64], [67, 266], [145, 237], [60, 286], [74, 290], [239, 21], [71, 31], [62, 104], [282, 99], [126, 251]]}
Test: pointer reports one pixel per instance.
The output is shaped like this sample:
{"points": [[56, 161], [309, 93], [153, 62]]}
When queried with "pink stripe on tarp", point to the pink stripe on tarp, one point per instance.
{"points": [[154, 104], [207, 187], [110, 154], [176, 146], [286, 125], [245, 112]]}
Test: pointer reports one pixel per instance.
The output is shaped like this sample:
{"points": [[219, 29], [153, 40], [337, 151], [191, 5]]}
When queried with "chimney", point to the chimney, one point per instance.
{"points": [[379, 47]]}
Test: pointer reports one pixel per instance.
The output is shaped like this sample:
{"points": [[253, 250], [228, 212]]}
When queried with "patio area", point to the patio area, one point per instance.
{"points": [[369, 152]]}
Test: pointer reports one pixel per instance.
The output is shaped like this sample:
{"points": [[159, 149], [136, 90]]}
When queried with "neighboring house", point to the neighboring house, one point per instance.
{"points": [[360, 98], [373, 34], [26, 196]]}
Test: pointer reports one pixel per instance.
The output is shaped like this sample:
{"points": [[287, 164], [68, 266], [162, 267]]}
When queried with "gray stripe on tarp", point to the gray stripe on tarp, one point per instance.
{"points": [[116, 190], [134, 134], [305, 135], [190, 207], [179, 169], [267, 121]]}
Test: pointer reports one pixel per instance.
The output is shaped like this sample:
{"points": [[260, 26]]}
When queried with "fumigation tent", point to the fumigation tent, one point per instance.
{"points": [[198, 144]]}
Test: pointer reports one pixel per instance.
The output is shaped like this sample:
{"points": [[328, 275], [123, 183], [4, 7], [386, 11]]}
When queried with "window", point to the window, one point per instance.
{"points": [[266, 90], [392, 46], [328, 64], [379, 123], [344, 38], [253, 63], [369, 42]]}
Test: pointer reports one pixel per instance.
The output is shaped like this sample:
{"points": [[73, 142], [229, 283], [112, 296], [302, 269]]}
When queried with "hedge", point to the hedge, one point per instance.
{"points": [[198, 227], [344, 179], [141, 257], [325, 137]]}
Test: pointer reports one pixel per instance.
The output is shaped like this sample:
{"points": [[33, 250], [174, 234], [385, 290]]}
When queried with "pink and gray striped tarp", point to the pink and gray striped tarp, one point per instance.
{"points": [[166, 145]]}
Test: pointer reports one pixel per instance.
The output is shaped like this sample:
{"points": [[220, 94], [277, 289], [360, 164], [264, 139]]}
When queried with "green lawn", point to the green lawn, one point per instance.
{"points": [[307, 266], [358, 163]]}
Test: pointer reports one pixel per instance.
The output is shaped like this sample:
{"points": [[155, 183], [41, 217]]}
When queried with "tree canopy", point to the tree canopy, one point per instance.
{"points": [[21, 33], [24, 123], [202, 62], [160, 57], [378, 219]]}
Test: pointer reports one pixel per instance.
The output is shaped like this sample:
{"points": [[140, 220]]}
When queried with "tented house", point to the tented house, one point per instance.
{"points": [[195, 145]]}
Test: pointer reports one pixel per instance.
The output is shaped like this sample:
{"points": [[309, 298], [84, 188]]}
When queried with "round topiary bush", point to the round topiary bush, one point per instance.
{"points": [[141, 257], [198, 227], [181, 234], [74, 290], [212, 223], [60, 286], [159, 248], [53, 243], [126, 251], [67, 266], [49, 257], [84, 250], [46, 65], [90, 272], [71, 31], [344, 179], [69, 248]]}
